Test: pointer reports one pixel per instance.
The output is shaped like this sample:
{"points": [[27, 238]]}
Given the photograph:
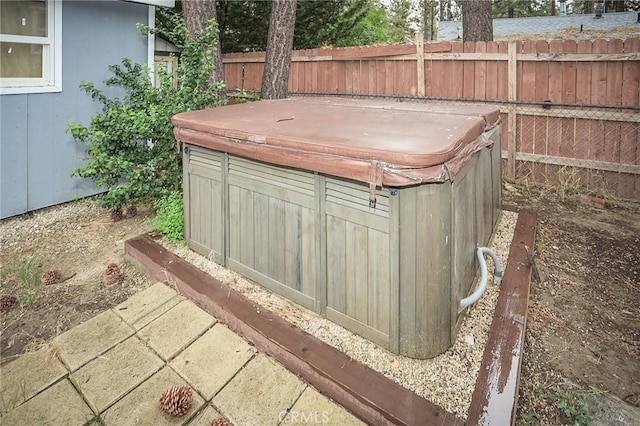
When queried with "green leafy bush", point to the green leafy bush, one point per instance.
{"points": [[131, 148], [170, 216]]}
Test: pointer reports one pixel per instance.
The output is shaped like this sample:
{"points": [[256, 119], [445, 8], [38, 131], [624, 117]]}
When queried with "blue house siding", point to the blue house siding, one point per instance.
{"points": [[13, 155], [37, 156]]}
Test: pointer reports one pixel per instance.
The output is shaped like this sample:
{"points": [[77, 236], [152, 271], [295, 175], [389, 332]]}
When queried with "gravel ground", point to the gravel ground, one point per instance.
{"points": [[447, 380], [14, 231]]}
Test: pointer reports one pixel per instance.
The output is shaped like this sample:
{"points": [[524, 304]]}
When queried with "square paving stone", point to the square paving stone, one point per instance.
{"points": [[144, 307], [176, 329], [58, 405], [205, 417], [260, 393], [91, 338], [314, 408], [108, 377], [212, 360], [27, 375], [142, 405]]}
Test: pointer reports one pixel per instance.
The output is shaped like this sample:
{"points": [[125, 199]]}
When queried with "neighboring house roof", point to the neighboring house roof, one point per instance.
{"points": [[611, 25], [164, 45]]}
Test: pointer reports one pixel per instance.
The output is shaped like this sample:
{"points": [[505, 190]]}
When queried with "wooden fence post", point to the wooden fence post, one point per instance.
{"points": [[420, 62], [512, 74]]}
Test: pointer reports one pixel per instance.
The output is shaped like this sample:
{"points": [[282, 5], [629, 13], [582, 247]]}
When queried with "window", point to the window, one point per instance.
{"points": [[30, 46]]}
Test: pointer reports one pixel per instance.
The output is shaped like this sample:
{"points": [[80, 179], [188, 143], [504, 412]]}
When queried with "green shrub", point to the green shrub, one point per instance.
{"points": [[170, 216], [131, 148]]}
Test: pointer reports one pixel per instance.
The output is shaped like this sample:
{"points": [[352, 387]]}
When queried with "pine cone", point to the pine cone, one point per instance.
{"points": [[112, 274], [116, 214], [51, 277], [176, 400], [220, 421], [132, 211], [7, 302]]}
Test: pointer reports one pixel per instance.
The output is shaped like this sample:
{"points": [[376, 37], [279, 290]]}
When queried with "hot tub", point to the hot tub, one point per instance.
{"points": [[367, 212]]}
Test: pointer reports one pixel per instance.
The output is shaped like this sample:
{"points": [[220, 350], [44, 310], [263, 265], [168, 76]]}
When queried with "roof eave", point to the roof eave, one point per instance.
{"points": [[162, 3]]}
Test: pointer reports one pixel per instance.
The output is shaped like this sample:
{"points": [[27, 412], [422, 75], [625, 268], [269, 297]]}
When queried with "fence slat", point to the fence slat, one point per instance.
{"points": [[599, 75], [411, 76], [389, 77], [569, 74], [542, 73], [314, 74], [612, 129], [456, 79], [526, 129], [583, 75], [469, 73], [480, 87], [441, 75], [293, 77], [614, 75], [527, 79], [503, 73], [629, 186], [340, 69], [631, 75], [253, 76], [491, 91], [373, 77], [555, 73], [598, 96]]}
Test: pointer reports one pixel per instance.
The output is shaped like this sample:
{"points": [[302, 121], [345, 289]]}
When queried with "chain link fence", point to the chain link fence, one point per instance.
{"points": [[579, 150], [575, 149]]}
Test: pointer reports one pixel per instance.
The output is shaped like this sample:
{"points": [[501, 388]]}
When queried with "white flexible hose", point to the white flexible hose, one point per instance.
{"points": [[497, 277]]}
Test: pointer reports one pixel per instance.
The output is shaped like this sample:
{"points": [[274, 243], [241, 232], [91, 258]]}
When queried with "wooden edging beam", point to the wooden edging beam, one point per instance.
{"points": [[368, 394], [495, 396]]}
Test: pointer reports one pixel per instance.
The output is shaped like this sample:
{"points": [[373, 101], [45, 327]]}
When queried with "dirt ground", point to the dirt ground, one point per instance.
{"points": [[583, 331], [81, 242]]}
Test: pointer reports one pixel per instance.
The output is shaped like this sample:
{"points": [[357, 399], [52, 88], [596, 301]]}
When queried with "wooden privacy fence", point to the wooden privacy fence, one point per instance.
{"points": [[571, 110]]}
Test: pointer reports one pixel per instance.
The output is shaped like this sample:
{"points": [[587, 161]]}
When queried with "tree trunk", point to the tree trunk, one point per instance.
{"points": [[275, 80], [445, 10], [587, 7], [619, 6], [477, 22], [429, 24], [197, 14]]}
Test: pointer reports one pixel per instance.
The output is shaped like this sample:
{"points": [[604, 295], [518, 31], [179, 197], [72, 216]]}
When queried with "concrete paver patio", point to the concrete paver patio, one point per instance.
{"points": [[113, 368]]}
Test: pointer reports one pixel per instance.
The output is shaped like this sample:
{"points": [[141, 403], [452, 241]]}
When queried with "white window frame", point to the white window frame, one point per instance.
{"points": [[51, 57]]}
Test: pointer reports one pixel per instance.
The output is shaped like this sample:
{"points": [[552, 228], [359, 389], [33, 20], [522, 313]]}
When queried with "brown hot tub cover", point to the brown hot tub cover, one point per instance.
{"points": [[378, 142]]}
